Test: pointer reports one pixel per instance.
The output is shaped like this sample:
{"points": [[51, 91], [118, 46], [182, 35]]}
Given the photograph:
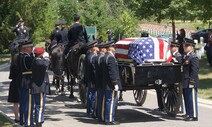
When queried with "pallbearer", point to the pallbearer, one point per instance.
{"points": [[90, 79], [110, 84], [190, 80], [99, 81]]}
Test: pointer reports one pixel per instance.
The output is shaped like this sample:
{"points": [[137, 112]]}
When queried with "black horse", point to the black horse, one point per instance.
{"points": [[56, 57]]}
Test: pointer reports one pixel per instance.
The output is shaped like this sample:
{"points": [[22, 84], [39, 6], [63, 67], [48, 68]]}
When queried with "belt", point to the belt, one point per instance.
{"points": [[26, 72]]}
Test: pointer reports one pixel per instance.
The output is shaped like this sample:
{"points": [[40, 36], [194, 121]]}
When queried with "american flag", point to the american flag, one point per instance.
{"points": [[143, 49]]}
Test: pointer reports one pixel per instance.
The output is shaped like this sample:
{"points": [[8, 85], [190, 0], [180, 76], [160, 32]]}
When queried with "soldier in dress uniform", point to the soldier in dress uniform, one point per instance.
{"points": [[22, 35], [55, 34], [64, 32], [77, 35], [99, 80], [21, 31], [24, 79], [190, 80], [40, 84], [90, 79], [177, 57], [111, 84]]}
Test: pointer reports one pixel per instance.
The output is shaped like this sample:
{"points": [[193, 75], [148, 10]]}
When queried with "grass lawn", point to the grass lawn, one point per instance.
{"points": [[205, 76], [4, 122]]}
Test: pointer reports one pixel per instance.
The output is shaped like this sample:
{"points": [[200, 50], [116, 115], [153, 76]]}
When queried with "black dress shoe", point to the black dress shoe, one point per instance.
{"points": [[17, 121], [112, 123], [191, 119], [185, 116]]}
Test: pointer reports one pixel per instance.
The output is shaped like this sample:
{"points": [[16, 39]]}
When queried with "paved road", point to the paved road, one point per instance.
{"points": [[64, 112]]}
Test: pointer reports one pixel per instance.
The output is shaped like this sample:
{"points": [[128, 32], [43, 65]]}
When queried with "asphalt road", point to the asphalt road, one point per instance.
{"points": [[64, 112]]}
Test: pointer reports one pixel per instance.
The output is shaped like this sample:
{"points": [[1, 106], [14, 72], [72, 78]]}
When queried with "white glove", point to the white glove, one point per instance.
{"points": [[45, 55], [116, 88]]}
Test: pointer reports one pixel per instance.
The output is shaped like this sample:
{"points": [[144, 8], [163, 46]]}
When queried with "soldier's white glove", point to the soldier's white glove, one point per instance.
{"points": [[46, 55], [116, 87]]}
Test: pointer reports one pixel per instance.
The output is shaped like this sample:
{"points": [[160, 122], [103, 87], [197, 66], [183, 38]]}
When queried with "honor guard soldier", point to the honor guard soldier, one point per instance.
{"points": [[111, 84], [90, 79], [99, 80], [24, 63], [22, 35], [177, 57], [77, 35], [40, 84], [22, 32], [55, 34], [190, 80], [64, 32]]}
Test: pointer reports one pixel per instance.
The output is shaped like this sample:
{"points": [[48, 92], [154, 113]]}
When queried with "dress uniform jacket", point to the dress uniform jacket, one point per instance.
{"points": [[54, 34], [99, 70], [40, 79], [177, 57], [77, 34], [24, 70], [190, 70], [22, 32], [64, 35], [89, 78], [110, 72]]}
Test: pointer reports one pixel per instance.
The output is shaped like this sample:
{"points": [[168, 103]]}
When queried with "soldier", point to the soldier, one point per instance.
{"points": [[177, 57], [90, 79], [24, 62], [64, 32], [99, 80], [40, 84], [77, 35], [55, 34], [22, 35], [190, 80], [208, 47], [111, 84], [21, 31]]}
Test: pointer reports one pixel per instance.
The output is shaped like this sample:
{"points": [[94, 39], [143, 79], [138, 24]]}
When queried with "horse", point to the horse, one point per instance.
{"points": [[56, 57]]}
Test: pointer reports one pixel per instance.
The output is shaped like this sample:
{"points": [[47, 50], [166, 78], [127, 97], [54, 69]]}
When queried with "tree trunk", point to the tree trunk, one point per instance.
{"points": [[173, 28]]}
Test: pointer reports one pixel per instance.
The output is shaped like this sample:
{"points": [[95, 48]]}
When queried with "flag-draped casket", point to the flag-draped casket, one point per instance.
{"points": [[143, 49]]}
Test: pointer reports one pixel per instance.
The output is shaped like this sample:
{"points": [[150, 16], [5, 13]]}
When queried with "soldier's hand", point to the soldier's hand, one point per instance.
{"points": [[46, 55], [191, 85], [116, 87]]}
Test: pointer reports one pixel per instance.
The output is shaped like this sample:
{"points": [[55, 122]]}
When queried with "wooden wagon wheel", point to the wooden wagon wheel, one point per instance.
{"points": [[172, 98], [82, 87], [140, 96]]}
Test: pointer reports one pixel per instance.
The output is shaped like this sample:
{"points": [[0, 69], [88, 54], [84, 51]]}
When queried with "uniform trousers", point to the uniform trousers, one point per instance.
{"points": [[190, 99], [209, 55], [39, 100], [91, 101], [110, 105], [25, 109], [100, 103]]}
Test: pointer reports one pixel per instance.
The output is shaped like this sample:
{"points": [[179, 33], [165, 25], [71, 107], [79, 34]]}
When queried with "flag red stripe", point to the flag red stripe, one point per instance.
{"points": [[127, 39], [121, 46], [161, 46], [169, 59], [121, 56]]}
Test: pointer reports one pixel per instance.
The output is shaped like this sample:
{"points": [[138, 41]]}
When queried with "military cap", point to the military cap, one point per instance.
{"points": [[57, 23], [101, 45], [91, 44], [189, 42], [109, 44], [26, 44], [21, 20], [175, 44], [63, 22], [39, 51]]}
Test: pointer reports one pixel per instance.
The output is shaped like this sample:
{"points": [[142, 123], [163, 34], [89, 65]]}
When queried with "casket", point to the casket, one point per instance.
{"points": [[145, 49]]}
